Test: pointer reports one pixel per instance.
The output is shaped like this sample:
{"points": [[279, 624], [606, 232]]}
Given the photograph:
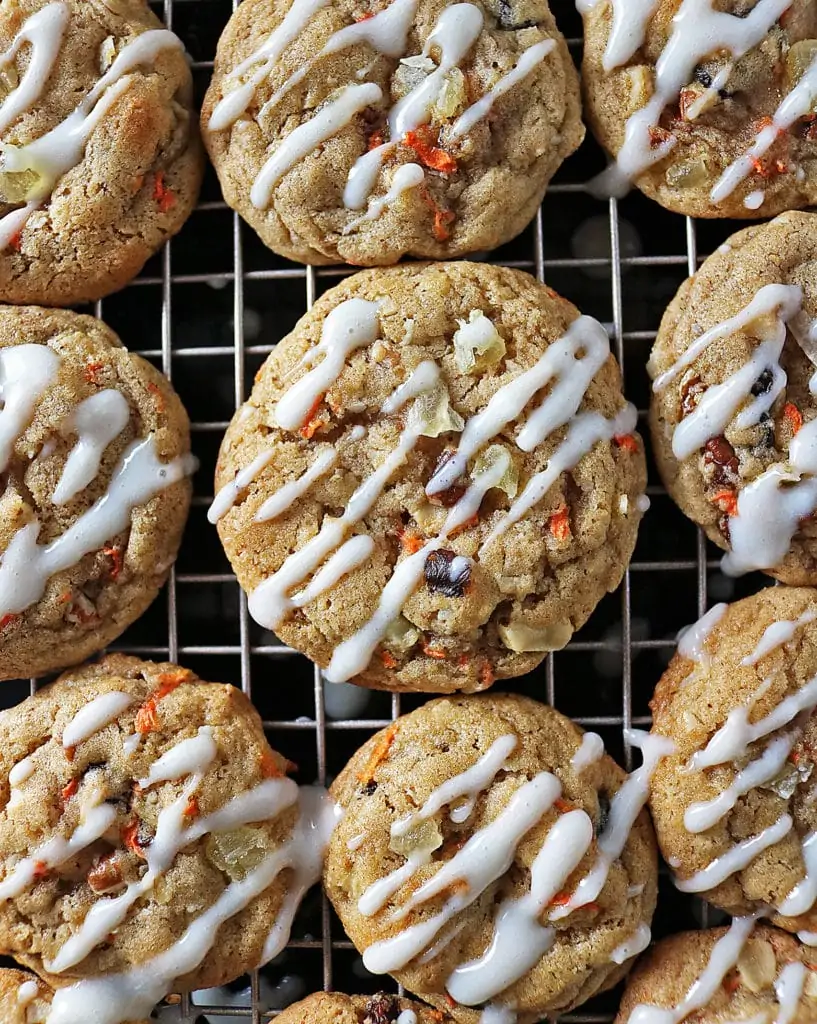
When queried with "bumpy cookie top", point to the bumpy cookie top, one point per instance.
{"points": [[94, 452], [491, 853], [735, 399], [100, 154], [708, 107], [380, 1008], [149, 838], [363, 131], [744, 973], [733, 805], [435, 478], [24, 999]]}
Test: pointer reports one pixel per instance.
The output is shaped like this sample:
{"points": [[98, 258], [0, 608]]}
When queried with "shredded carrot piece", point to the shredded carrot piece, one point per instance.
{"points": [[473, 521], [410, 541], [731, 982], [364, 17], [486, 674], [463, 660], [436, 1014], [269, 766], [115, 555], [793, 416], [561, 899], [163, 195], [434, 652], [685, 101], [16, 241], [627, 442], [70, 789], [562, 806], [41, 869], [423, 143], [192, 808], [376, 139], [65, 597], [130, 838], [794, 757], [92, 372], [442, 218], [70, 753], [379, 754], [388, 659], [147, 718], [7, 620], [560, 524], [159, 398], [451, 1002], [312, 421], [727, 501]]}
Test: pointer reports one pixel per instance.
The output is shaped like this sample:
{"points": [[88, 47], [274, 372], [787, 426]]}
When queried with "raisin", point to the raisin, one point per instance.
{"points": [[381, 1009], [720, 458], [106, 874], [447, 573], [604, 814], [691, 394], [766, 424], [703, 77], [452, 494], [369, 787], [723, 526], [506, 18], [763, 384]]}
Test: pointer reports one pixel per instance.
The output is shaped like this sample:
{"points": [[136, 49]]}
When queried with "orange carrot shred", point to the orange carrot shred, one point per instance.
{"points": [[147, 718], [442, 218], [727, 501], [164, 196], [92, 372], [379, 754], [70, 753], [130, 838], [423, 143], [7, 620], [192, 808], [159, 398], [388, 659], [41, 869], [70, 789], [364, 17], [793, 416], [627, 442], [731, 982], [16, 241], [376, 139], [562, 806], [410, 541], [115, 555], [269, 766], [560, 524], [312, 422], [451, 1002], [434, 652], [486, 674]]}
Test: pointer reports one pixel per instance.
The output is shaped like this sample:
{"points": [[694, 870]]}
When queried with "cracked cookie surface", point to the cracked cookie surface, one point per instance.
{"points": [[84, 422], [430, 857], [447, 120], [489, 383], [102, 156]]}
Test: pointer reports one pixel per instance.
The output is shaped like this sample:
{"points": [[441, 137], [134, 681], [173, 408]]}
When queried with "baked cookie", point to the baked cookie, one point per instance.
{"points": [[366, 130], [435, 479], [101, 160], [490, 853], [24, 998], [734, 804], [381, 1008], [149, 839], [735, 399], [94, 452], [753, 975], [707, 108]]}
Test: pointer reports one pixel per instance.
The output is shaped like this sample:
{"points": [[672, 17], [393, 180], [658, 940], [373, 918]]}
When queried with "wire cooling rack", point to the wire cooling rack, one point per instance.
{"points": [[209, 309]]}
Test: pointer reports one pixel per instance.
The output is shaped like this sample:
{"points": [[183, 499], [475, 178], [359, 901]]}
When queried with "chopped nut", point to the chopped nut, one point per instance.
{"points": [[425, 837], [106, 874], [381, 1009], [720, 462], [757, 965], [520, 637]]}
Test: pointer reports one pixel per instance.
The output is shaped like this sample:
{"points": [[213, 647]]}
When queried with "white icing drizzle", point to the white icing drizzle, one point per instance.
{"points": [[130, 744], [736, 858], [353, 655], [349, 556], [698, 30], [27, 993], [45, 31], [625, 807], [591, 750], [529, 59], [134, 993], [793, 106], [691, 640], [808, 938], [572, 362], [286, 496], [776, 635], [422, 378], [26, 371], [229, 494], [468, 784], [351, 325], [788, 988], [496, 1013], [632, 946], [519, 940], [585, 430], [486, 856], [731, 741], [188, 757], [702, 815], [455, 32], [95, 716], [755, 199], [302, 140], [61, 149], [627, 31], [722, 959], [407, 1017], [356, 842], [804, 895], [96, 422], [22, 771], [406, 176], [27, 566], [236, 101]]}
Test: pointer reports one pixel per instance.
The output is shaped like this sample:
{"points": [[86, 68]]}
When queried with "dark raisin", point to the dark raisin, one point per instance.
{"points": [[381, 1009], [447, 573], [703, 77], [721, 461], [691, 394], [452, 494], [763, 384], [369, 787], [723, 526], [604, 814], [507, 21], [766, 424]]}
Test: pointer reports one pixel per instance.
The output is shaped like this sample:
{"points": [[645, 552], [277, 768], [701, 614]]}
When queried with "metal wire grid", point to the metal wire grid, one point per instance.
{"points": [[624, 276]]}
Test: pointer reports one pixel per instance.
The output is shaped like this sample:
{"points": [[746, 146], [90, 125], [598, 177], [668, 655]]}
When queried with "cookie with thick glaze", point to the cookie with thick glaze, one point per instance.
{"points": [[101, 155], [435, 479], [95, 456], [707, 108], [366, 131], [150, 840], [734, 803], [25, 998], [733, 406], [489, 852]]}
